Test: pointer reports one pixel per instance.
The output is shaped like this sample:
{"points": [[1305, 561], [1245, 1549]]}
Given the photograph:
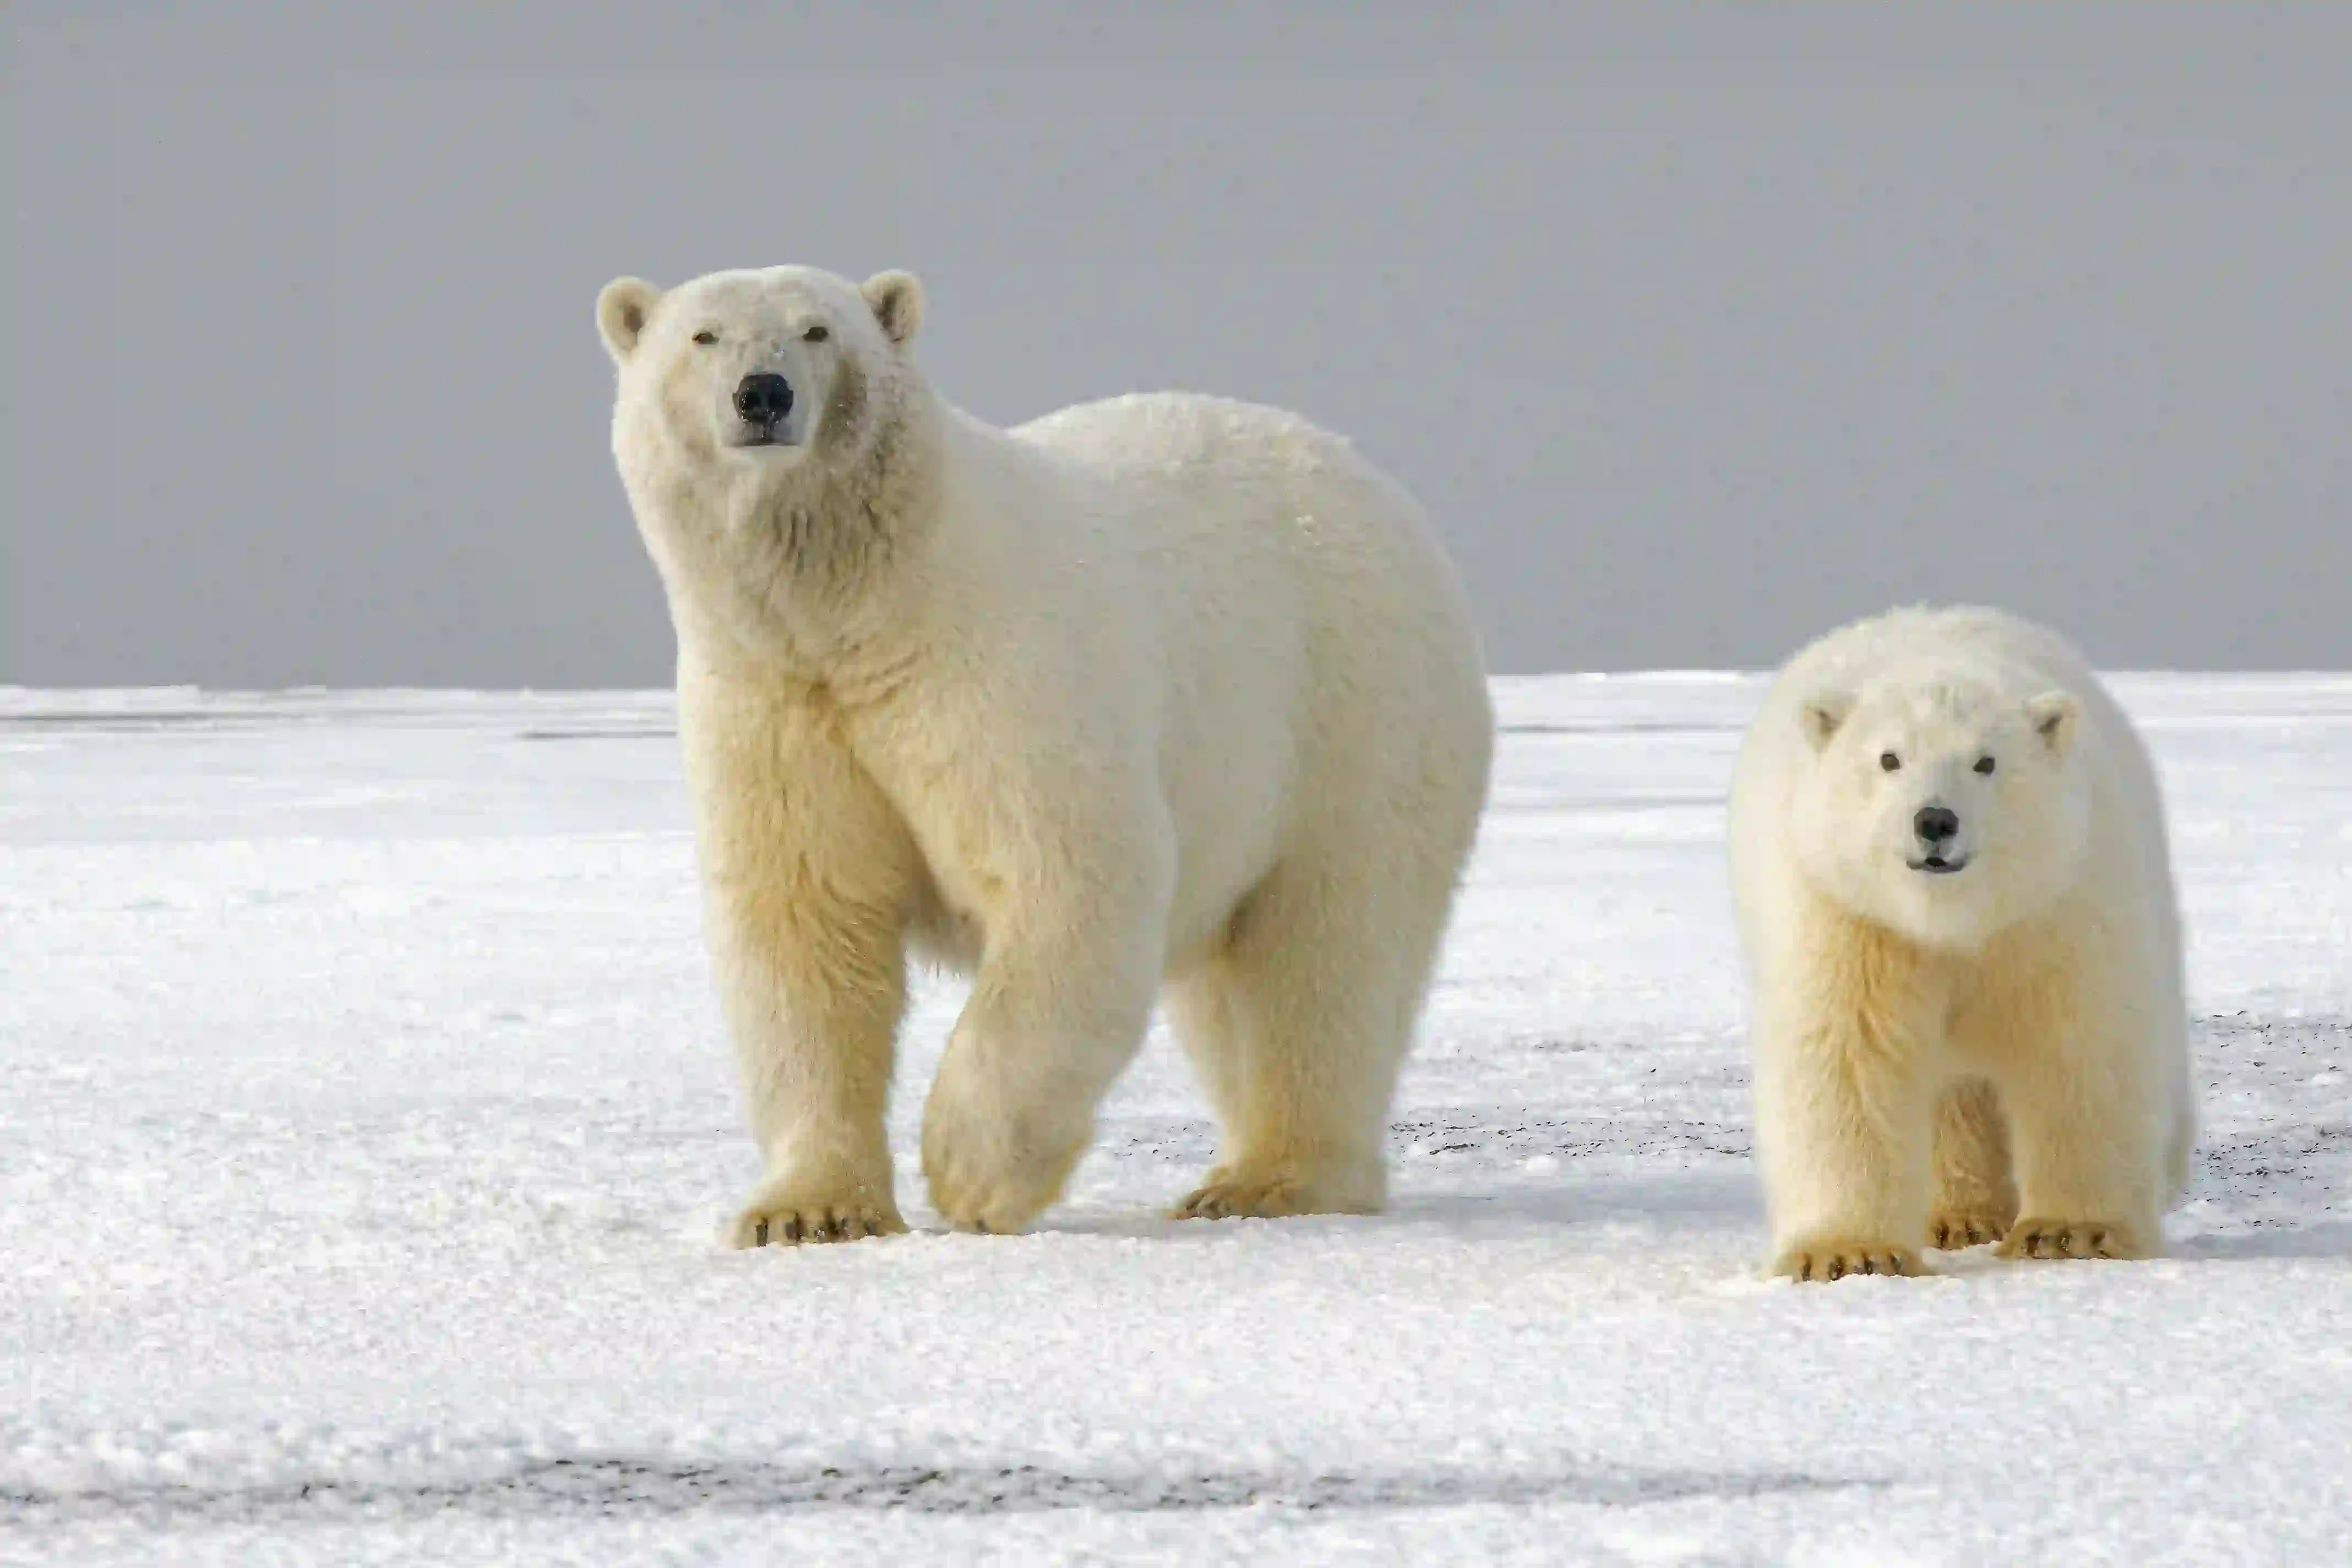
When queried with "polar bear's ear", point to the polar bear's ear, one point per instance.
{"points": [[622, 311], [2055, 716], [897, 301], [1823, 714]]}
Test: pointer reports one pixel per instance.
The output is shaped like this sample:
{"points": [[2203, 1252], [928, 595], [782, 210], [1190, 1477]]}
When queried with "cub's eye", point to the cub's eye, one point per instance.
{"points": [[1889, 761], [1984, 764], [816, 334], [706, 336]]}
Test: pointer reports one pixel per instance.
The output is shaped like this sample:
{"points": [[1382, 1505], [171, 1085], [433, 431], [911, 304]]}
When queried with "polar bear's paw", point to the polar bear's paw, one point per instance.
{"points": [[788, 1214], [1263, 1197], [1832, 1258], [1248, 1192], [1952, 1229], [2036, 1235], [994, 1175]]}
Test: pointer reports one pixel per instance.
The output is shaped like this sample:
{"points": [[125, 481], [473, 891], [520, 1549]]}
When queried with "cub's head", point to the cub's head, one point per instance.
{"points": [[1943, 810], [755, 374]]}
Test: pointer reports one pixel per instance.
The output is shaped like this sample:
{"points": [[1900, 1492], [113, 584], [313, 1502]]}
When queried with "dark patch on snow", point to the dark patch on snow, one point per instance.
{"points": [[598, 1487], [2294, 1162], [1516, 1138]]}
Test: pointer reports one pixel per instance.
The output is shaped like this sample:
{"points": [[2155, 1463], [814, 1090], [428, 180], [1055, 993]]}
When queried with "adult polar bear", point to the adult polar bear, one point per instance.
{"points": [[1158, 691], [1957, 903]]}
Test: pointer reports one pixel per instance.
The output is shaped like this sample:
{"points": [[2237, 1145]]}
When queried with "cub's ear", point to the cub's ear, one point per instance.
{"points": [[2056, 717], [896, 300], [622, 311], [1820, 715]]}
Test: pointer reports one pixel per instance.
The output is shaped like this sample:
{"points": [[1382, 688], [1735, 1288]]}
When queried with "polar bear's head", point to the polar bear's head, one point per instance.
{"points": [[751, 375], [1944, 809]]}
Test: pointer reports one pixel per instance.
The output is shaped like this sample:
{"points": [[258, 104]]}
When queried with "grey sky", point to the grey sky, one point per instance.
{"points": [[1697, 328]]}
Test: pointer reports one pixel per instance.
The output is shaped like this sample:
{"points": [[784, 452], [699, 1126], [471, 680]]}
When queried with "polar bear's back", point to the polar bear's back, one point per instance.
{"points": [[1246, 510], [1186, 464]]}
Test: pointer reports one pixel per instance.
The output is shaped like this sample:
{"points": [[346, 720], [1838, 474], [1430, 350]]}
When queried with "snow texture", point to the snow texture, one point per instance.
{"points": [[366, 1123]]}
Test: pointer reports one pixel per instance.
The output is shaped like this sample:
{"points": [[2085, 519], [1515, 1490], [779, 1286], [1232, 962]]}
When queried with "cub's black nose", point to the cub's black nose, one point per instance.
{"points": [[763, 398], [1934, 824]]}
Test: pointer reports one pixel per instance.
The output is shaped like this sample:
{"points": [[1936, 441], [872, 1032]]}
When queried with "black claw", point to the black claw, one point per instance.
{"points": [[760, 1234]]}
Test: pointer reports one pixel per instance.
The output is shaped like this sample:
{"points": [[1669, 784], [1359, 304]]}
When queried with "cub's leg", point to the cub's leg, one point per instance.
{"points": [[1975, 1197], [2091, 1118], [1846, 1033]]}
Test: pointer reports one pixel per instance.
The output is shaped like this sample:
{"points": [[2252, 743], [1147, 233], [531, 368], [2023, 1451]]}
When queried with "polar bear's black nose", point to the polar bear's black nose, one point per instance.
{"points": [[1934, 824], [763, 398]]}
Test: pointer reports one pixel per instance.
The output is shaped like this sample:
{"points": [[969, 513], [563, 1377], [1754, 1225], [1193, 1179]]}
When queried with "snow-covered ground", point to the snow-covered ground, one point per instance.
{"points": [[365, 1118]]}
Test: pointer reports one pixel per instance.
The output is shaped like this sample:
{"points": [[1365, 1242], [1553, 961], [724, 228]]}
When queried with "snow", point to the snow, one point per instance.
{"points": [[365, 1122]]}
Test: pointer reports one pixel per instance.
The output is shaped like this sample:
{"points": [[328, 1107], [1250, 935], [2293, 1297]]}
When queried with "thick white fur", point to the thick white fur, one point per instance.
{"points": [[1162, 693], [1997, 1054]]}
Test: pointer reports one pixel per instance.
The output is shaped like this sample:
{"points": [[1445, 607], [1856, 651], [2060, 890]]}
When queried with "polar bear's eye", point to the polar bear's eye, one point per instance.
{"points": [[706, 336], [816, 334], [1984, 764], [1889, 761]]}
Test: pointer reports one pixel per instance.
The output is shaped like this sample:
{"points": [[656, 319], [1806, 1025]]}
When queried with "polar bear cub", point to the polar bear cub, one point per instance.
{"points": [[1163, 694], [1956, 906]]}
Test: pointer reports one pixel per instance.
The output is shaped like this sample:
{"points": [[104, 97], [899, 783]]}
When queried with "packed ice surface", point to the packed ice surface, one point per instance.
{"points": [[366, 1121]]}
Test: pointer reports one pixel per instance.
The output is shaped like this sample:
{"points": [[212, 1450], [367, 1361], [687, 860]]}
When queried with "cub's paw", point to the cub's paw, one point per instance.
{"points": [[1833, 1258], [1261, 1194], [2037, 1237], [1956, 1228], [786, 1215]]}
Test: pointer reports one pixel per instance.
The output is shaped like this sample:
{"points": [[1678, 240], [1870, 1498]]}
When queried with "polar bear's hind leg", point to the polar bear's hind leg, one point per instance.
{"points": [[1298, 1027]]}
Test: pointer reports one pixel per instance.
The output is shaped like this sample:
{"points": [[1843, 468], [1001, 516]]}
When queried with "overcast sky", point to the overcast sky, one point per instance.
{"points": [[1698, 329]]}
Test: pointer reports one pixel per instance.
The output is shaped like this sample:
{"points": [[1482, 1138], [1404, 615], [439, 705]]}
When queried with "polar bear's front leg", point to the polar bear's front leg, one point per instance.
{"points": [[2092, 1113], [2091, 1148], [1843, 1125], [815, 1000], [1055, 1014], [1848, 1037], [808, 875], [1976, 1196]]}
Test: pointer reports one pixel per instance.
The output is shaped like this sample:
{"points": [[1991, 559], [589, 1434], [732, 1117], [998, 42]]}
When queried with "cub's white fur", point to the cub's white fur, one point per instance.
{"points": [[1979, 1035], [1159, 695]]}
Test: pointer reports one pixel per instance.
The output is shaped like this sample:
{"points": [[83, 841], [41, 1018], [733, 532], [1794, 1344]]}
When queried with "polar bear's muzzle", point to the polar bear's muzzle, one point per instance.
{"points": [[764, 403], [1937, 830]]}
